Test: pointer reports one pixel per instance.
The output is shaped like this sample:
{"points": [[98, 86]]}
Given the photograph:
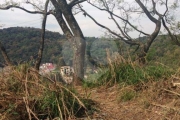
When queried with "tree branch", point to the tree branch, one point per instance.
{"points": [[146, 11], [119, 28], [154, 9], [61, 21], [35, 6], [119, 18], [173, 38], [75, 2], [112, 32], [28, 11], [166, 7]]}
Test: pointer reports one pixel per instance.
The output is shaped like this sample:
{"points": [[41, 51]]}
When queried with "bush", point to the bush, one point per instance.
{"points": [[120, 70], [157, 71]]}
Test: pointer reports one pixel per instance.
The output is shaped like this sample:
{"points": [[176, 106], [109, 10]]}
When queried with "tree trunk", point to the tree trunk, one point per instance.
{"points": [[40, 52], [74, 34], [78, 60], [142, 57], [5, 56]]}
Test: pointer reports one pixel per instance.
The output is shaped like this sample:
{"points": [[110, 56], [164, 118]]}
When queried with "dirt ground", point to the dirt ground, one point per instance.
{"points": [[151, 101]]}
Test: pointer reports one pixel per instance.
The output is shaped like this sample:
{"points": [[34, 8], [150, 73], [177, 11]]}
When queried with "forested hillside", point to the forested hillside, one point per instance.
{"points": [[22, 44]]}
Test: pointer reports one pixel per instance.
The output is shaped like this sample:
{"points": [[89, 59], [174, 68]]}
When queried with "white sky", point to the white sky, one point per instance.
{"points": [[16, 17]]}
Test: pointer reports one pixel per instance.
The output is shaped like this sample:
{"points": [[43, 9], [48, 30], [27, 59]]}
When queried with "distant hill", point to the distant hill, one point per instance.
{"points": [[22, 44]]}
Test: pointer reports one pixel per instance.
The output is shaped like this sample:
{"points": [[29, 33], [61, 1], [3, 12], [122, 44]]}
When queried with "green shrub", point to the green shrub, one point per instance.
{"points": [[125, 71], [157, 71]]}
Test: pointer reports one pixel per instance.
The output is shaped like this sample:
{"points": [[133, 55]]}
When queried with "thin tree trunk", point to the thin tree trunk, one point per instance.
{"points": [[5, 56], [40, 52]]}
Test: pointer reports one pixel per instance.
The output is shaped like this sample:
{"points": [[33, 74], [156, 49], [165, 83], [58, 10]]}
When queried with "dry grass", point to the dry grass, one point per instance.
{"points": [[156, 100], [24, 94]]}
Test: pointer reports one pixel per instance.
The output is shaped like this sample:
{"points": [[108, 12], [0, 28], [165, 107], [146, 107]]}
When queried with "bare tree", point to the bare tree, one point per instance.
{"points": [[146, 8], [62, 10]]}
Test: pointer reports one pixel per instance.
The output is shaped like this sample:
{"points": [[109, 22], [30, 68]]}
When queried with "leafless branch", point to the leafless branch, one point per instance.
{"points": [[124, 35], [35, 6], [146, 11], [119, 18], [75, 2], [13, 6], [173, 37], [28, 11], [109, 30], [154, 9], [166, 7]]}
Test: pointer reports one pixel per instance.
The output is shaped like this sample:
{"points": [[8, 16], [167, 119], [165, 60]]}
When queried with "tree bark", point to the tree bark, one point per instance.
{"points": [[74, 35]]}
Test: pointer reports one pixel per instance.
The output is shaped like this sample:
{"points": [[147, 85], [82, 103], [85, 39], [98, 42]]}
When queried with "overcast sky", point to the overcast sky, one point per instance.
{"points": [[16, 17]]}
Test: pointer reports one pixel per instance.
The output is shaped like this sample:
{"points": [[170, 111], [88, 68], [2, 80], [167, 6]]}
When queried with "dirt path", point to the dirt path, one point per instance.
{"points": [[150, 104], [108, 104]]}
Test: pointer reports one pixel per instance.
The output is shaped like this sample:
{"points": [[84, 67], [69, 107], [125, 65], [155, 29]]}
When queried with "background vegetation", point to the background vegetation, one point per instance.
{"points": [[22, 45]]}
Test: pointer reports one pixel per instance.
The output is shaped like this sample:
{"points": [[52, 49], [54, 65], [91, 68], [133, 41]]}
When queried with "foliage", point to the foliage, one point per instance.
{"points": [[122, 70]]}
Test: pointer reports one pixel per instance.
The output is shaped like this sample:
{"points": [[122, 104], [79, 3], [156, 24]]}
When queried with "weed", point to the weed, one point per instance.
{"points": [[157, 71], [127, 95]]}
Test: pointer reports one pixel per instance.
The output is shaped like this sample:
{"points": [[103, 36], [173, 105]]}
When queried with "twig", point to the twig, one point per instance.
{"points": [[27, 108], [172, 92], [25, 98], [165, 107], [60, 112]]}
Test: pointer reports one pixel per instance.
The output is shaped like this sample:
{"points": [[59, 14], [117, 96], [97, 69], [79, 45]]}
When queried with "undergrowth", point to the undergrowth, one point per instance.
{"points": [[26, 95], [121, 70]]}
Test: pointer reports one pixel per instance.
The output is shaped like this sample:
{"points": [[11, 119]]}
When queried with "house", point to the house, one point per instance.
{"points": [[46, 68], [67, 74]]}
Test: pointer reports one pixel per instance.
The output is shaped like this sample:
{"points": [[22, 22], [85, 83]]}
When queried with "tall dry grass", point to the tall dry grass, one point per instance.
{"points": [[24, 94]]}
